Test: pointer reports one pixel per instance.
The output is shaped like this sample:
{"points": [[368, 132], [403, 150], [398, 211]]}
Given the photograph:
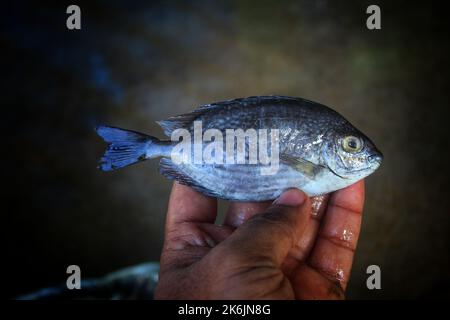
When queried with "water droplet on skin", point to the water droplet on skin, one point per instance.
{"points": [[243, 215], [347, 235], [340, 274], [316, 204]]}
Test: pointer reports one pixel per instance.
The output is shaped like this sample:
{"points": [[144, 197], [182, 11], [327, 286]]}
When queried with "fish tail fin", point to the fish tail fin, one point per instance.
{"points": [[125, 147]]}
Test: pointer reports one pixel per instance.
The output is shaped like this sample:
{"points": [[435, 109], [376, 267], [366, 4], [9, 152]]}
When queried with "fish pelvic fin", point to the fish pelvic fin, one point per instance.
{"points": [[125, 147]]}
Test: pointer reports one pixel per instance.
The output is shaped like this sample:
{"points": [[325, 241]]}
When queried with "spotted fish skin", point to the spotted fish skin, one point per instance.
{"points": [[310, 148]]}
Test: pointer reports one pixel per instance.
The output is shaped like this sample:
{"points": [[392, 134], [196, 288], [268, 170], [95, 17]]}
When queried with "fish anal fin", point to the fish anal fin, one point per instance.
{"points": [[169, 170]]}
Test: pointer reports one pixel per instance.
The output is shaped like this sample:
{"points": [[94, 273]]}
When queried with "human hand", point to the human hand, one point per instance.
{"points": [[298, 248]]}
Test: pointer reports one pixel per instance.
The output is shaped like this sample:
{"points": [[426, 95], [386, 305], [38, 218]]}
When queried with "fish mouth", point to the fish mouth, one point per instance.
{"points": [[376, 158], [374, 161]]}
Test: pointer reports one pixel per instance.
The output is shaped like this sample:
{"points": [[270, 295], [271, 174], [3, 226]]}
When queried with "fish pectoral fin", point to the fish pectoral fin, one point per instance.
{"points": [[305, 167]]}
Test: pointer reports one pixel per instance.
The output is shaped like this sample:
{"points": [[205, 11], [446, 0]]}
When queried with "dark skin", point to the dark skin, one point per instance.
{"points": [[294, 248]]}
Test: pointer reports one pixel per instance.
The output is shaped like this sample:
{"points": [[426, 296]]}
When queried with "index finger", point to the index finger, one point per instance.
{"points": [[188, 205]]}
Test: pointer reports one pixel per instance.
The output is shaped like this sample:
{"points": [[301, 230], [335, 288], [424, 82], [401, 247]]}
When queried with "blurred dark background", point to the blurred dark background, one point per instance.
{"points": [[134, 62]]}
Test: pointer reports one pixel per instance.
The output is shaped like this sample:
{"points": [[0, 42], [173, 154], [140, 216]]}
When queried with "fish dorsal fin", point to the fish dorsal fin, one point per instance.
{"points": [[169, 170], [305, 167], [186, 119], [182, 120]]}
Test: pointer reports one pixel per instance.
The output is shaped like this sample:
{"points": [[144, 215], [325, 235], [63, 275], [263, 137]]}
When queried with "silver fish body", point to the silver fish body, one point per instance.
{"points": [[319, 151]]}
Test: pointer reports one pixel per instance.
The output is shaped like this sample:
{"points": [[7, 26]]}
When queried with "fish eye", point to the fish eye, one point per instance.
{"points": [[352, 144]]}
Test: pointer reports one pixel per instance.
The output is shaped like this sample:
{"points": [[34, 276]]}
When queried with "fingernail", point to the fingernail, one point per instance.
{"points": [[292, 197]]}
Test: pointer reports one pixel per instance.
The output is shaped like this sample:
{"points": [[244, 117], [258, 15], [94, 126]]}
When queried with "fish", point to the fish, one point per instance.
{"points": [[312, 147]]}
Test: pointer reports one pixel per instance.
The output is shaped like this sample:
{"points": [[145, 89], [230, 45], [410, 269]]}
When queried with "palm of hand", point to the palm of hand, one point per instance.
{"points": [[201, 260]]}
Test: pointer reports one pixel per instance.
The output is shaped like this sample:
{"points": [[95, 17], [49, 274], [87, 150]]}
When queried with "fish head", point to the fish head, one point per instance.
{"points": [[350, 155]]}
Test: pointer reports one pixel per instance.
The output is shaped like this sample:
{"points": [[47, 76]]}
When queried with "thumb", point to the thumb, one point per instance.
{"points": [[271, 235]]}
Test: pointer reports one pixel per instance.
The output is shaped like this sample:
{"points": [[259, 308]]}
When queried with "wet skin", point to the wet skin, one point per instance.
{"points": [[294, 248]]}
